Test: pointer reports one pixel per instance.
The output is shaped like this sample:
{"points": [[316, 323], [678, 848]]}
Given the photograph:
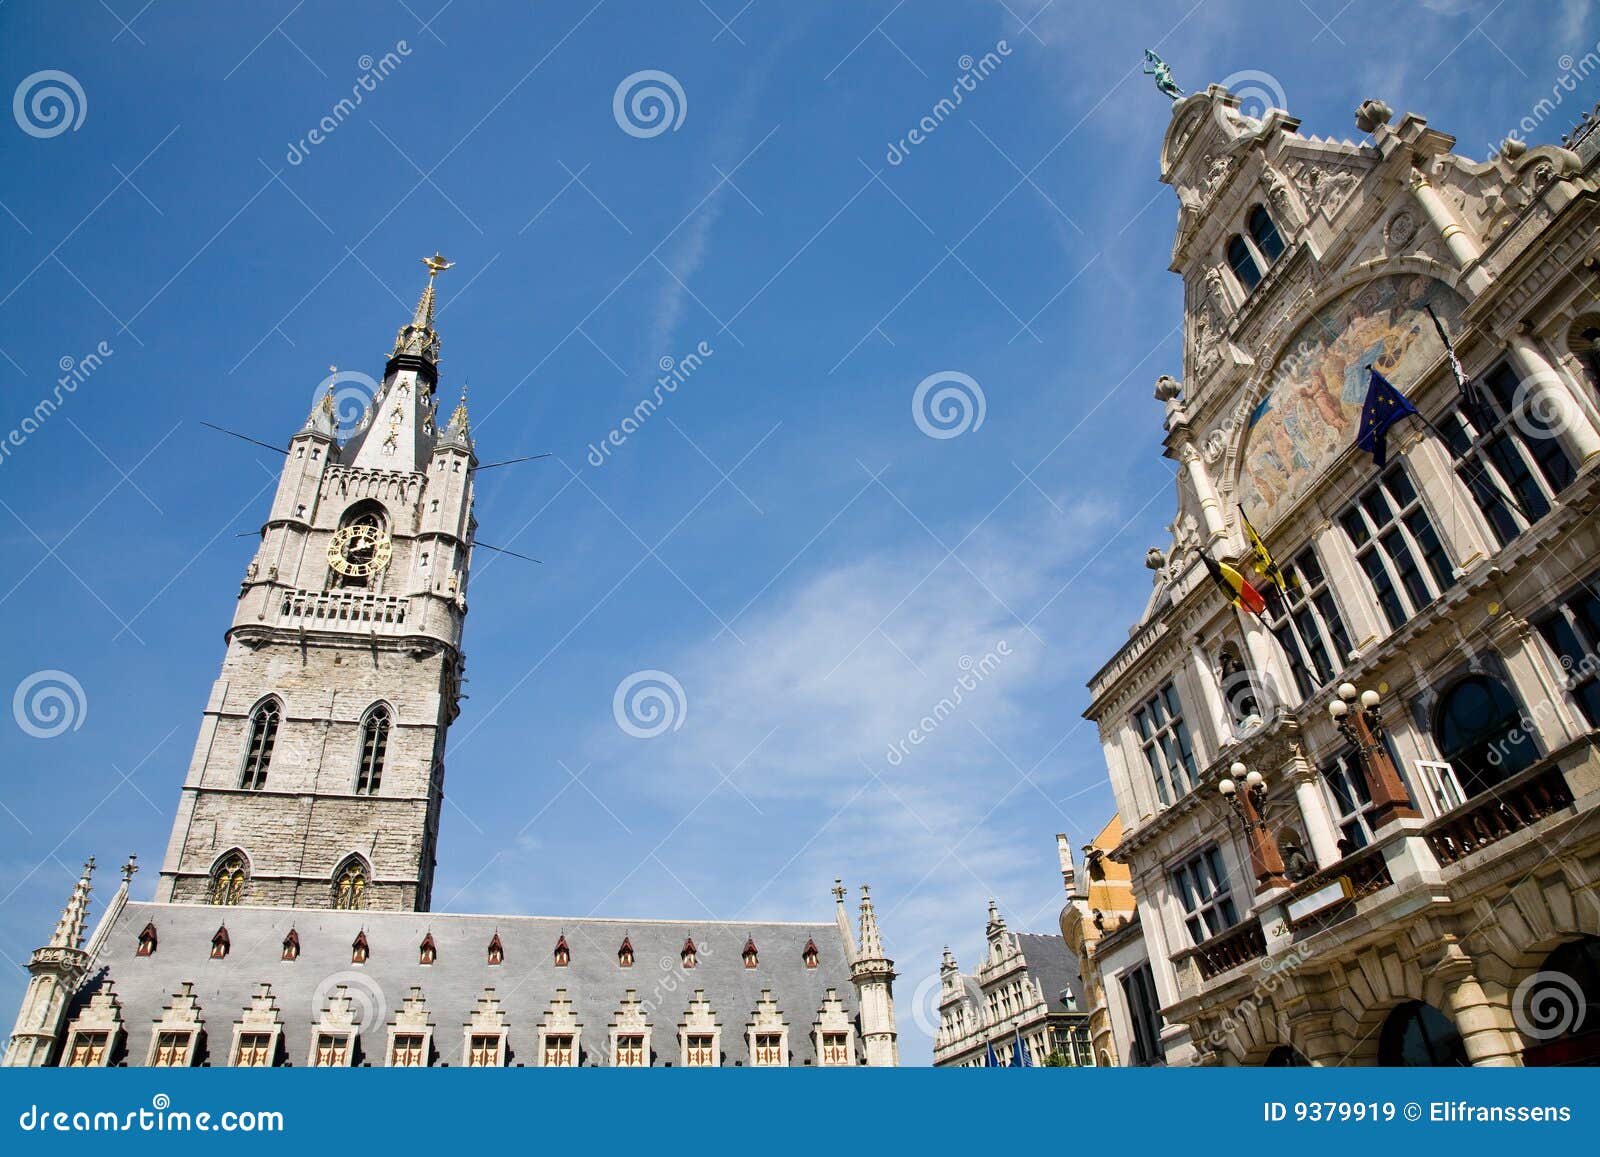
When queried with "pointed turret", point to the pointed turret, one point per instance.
{"points": [[57, 969], [323, 418], [873, 974], [418, 339], [459, 431]]}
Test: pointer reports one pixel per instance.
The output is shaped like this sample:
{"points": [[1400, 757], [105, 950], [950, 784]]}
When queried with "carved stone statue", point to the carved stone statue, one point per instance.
{"points": [[1158, 68]]}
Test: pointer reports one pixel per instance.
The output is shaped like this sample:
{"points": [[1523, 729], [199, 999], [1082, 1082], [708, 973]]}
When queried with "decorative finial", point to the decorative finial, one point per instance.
{"points": [[838, 890], [436, 265], [1162, 71], [130, 867]]}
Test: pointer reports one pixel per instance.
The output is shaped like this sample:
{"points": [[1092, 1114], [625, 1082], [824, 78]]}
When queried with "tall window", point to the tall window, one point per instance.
{"points": [[1351, 800], [1144, 1010], [1573, 632], [1397, 546], [258, 751], [374, 746], [1264, 233], [227, 882], [1309, 627], [350, 885], [1243, 263], [1202, 886], [1479, 732], [1498, 456], [1165, 740]]}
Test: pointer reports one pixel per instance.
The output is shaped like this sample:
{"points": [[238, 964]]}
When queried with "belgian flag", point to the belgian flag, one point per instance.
{"points": [[1237, 589]]}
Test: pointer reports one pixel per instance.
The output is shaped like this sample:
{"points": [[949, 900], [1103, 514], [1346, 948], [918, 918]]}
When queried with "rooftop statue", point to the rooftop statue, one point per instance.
{"points": [[1162, 71]]}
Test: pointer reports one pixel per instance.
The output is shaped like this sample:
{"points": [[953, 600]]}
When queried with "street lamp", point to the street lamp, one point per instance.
{"points": [[1250, 805], [1364, 731]]}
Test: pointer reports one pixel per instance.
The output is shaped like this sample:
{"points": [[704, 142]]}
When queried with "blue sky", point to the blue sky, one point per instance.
{"points": [[781, 537]]}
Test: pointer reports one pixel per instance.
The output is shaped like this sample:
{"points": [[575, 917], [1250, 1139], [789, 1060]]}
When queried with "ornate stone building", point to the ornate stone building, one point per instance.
{"points": [[1362, 827], [1025, 989], [292, 921]]}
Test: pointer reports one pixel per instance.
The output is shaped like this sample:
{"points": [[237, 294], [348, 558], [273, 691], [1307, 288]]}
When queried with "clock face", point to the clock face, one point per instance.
{"points": [[359, 550]]}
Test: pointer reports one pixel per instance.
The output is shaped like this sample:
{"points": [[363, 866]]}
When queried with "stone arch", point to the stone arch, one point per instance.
{"points": [[1248, 1031], [1509, 938], [1372, 986]]}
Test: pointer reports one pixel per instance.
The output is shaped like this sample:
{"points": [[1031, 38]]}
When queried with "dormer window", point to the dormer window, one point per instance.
{"points": [[147, 941], [1243, 263], [1264, 233], [359, 948], [428, 953], [625, 954], [809, 955], [497, 951], [749, 953], [220, 943], [688, 955], [563, 954], [291, 945]]}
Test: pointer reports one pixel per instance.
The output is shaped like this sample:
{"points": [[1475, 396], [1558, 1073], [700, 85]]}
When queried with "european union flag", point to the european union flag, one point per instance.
{"points": [[990, 1061], [1384, 406]]}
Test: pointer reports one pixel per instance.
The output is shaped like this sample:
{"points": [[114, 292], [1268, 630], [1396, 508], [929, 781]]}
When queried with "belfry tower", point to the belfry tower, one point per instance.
{"points": [[318, 775]]}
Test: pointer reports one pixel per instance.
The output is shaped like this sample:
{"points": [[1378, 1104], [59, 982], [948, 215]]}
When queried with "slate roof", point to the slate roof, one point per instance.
{"points": [[1052, 965], [525, 983]]}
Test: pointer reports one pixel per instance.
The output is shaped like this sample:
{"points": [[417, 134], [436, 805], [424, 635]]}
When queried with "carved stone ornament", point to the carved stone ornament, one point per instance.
{"points": [[1402, 228]]}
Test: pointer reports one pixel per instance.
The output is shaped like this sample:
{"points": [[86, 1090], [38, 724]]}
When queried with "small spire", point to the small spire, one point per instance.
{"points": [[459, 431], [949, 962], [871, 941], [130, 867], [69, 929], [418, 338]]}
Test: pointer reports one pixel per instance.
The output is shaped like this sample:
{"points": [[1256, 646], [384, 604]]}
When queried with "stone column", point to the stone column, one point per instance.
{"points": [[1463, 247], [1551, 400], [1314, 811], [1485, 1024]]}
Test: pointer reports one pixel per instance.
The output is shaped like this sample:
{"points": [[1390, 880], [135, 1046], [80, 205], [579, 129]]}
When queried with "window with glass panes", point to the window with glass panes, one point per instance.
{"points": [[1165, 740], [1144, 1014], [88, 1048], [1511, 468], [769, 1048], [172, 1049], [700, 1050], [255, 1050], [332, 1051], [1309, 627], [1573, 633], [835, 1048], [557, 1051], [1397, 546], [483, 1052], [1351, 801], [630, 1050], [408, 1051], [1202, 887]]}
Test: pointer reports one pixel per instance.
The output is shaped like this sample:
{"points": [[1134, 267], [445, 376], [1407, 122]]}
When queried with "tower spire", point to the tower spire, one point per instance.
{"points": [[873, 974], [69, 929], [871, 941], [418, 339]]}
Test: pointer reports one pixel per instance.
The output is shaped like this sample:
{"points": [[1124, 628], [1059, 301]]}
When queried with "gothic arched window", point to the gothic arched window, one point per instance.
{"points": [[1243, 263], [374, 747], [1264, 233], [350, 884], [228, 880], [1417, 1035], [258, 750], [1478, 729]]}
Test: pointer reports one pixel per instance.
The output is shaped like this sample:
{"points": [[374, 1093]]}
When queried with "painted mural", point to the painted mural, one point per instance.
{"points": [[1313, 409]]}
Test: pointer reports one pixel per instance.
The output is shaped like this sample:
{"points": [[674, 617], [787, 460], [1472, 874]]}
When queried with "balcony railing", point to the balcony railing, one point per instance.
{"points": [[1519, 803], [1367, 871], [312, 607], [1230, 948]]}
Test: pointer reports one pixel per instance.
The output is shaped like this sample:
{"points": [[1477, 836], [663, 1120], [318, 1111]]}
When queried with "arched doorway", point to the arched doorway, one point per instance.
{"points": [[1478, 730], [1285, 1057], [1417, 1035], [1558, 1007]]}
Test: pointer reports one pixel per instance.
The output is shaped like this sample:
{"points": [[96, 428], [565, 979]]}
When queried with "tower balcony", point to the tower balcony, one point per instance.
{"points": [[385, 614]]}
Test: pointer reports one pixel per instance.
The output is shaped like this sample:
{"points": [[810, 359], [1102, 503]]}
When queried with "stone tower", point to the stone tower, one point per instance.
{"points": [[55, 972], [318, 775], [873, 974]]}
